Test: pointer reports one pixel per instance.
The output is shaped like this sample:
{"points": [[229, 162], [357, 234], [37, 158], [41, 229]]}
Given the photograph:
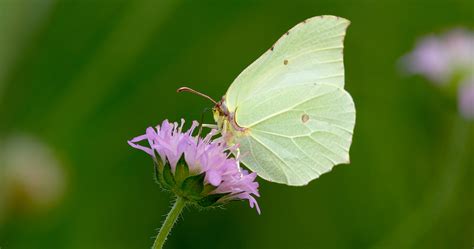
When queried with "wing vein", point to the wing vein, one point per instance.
{"points": [[330, 159], [285, 110], [277, 156], [255, 158], [299, 148], [307, 155]]}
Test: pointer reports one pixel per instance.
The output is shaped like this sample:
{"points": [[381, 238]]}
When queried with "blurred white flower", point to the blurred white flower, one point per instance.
{"points": [[31, 177], [448, 61]]}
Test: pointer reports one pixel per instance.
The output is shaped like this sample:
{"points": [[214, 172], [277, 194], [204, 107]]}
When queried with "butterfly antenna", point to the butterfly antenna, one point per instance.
{"points": [[187, 89]]}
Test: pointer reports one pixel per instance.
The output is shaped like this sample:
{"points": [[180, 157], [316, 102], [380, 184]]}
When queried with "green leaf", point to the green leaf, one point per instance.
{"points": [[193, 186], [210, 199]]}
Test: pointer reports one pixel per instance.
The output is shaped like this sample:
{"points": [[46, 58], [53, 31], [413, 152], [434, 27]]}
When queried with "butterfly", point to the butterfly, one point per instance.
{"points": [[288, 111]]}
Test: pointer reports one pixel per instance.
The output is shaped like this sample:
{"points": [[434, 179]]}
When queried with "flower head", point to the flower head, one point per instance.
{"points": [[448, 61], [197, 169], [466, 98], [440, 58]]}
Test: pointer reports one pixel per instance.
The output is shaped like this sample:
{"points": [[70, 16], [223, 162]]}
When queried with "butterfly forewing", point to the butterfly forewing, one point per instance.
{"points": [[310, 52], [298, 118]]}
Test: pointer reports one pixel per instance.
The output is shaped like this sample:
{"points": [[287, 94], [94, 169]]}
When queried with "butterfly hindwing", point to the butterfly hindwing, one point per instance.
{"points": [[293, 140]]}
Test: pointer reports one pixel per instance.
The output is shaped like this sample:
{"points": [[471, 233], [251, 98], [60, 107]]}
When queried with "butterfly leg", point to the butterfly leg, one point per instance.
{"points": [[210, 126], [205, 125], [237, 156]]}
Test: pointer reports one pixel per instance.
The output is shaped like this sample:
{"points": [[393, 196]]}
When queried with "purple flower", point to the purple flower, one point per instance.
{"points": [[440, 58], [466, 98], [201, 156], [429, 59], [448, 61]]}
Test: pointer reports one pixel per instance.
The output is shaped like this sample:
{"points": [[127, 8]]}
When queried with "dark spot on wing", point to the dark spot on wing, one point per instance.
{"points": [[305, 118], [287, 33], [285, 62], [273, 47]]}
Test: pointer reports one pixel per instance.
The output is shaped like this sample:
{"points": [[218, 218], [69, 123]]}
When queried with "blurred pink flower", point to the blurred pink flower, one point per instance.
{"points": [[440, 58], [466, 98], [448, 61], [429, 59]]}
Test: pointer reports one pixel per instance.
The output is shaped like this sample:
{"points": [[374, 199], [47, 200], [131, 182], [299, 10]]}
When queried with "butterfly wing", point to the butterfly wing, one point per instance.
{"points": [[291, 100], [298, 133], [310, 52]]}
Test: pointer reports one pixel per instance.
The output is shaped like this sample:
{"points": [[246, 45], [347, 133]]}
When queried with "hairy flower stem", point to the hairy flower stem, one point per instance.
{"points": [[169, 222]]}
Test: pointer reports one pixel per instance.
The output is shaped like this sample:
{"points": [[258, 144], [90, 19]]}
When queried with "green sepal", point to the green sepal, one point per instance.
{"points": [[157, 161], [181, 172], [157, 172], [208, 188], [159, 176], [168, 176], [193, 186], [211, 199]]}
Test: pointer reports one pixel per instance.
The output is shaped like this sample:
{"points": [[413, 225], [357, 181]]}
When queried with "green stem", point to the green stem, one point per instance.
{"points": [[169, 222]]}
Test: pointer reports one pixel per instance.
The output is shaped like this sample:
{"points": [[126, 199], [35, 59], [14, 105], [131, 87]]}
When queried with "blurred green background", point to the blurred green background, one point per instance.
{"points": [[85, 76]]}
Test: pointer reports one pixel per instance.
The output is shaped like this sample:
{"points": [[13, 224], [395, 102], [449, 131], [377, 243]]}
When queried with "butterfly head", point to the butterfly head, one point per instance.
{"points": [[227, 122], [225, 119], [221, 114]]}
